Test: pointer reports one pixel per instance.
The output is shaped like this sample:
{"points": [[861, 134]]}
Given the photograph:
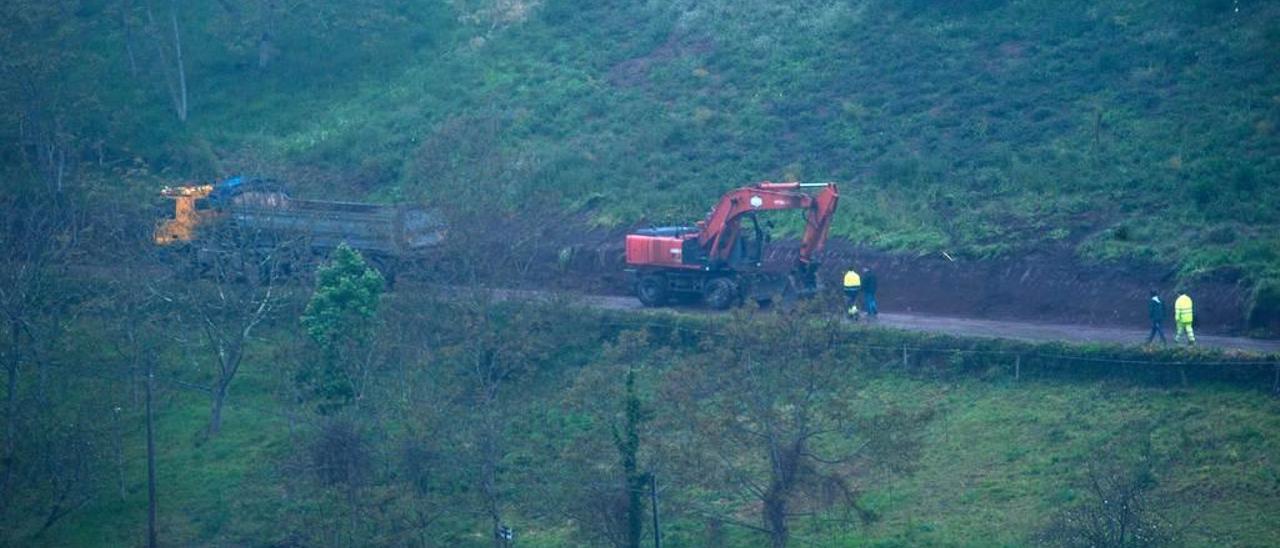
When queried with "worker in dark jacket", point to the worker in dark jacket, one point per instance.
{"points": [[1155, 311], [869, 286]]}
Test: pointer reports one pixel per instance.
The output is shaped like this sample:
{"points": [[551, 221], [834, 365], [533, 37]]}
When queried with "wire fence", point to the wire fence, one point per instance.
{"points": [[1022, 360]]}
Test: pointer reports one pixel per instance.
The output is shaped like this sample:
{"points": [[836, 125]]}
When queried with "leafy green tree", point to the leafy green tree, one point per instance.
{"points": [[343, 308], [341, 317]]}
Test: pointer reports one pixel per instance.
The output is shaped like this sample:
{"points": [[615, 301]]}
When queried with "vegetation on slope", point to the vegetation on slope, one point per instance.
{"points": [[984, 127], [1135, 129], [465, 414]]}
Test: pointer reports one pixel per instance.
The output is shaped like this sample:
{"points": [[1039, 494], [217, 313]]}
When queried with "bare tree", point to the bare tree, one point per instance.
{"points": [[1118, 509], [498, 351], [143, 297], [35, 58], [242, 288], [773, 417], [68, 470], [51, 440], [167, 40], [35, 242], [483, 247]]}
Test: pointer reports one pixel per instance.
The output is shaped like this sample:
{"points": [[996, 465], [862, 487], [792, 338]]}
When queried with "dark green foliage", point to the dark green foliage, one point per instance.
{"points": [[979, 127], [628, 444], [953, 123], [987, 456], [340, 454], [345, 302], [340, 318], [1264, 305], [947, 7]]}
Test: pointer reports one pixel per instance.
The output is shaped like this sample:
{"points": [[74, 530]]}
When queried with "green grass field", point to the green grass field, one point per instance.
{"points": [[997, 456]]}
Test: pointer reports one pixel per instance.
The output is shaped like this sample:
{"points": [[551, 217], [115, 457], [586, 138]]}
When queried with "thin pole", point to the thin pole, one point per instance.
{"points": [[653, 497]]}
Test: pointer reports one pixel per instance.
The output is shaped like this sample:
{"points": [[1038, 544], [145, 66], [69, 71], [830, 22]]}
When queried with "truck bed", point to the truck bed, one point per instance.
{"points": [[388, 229]]}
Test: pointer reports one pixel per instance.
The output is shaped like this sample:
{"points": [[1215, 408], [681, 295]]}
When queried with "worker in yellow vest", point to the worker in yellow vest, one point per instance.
{"points": [[1182, 317], [852, 283]]}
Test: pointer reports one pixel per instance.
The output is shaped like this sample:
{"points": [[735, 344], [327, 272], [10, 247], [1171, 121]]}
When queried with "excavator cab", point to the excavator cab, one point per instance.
{"points": [[748, 250]]}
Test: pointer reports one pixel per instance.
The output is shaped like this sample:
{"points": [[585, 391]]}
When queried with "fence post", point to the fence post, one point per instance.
{"points": [[904, 355], [1017, 367], [1182, 372], [1275, 384]]}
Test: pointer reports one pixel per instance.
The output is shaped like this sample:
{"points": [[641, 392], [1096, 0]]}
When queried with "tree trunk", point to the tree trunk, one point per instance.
{"points": [[264, 51], [181, 105], [490, 456], [628, 448], [178, 89], [11, 414], [490, 487], [219, 398], [118, 448], [785, 461], [151, 462], [128, 43], [775, 517]]}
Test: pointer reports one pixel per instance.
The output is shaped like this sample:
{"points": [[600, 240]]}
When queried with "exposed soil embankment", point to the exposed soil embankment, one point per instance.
{"points": [[1051, 286], [1048, 286]]}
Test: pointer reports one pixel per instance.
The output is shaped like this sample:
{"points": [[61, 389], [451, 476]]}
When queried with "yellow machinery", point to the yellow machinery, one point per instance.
{"points": [[186, 217], [265, 215]]}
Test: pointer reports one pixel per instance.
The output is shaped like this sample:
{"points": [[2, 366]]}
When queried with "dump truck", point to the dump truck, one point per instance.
{"points": [[246, 214], [719, 260]]}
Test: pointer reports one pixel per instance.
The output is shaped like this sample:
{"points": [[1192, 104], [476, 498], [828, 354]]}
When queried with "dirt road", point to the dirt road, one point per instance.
{"points": [[960, 327], [1042, 332]]}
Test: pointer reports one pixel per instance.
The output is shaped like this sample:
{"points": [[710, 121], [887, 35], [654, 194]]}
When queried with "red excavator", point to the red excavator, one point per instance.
{"points": [[719, 260]]}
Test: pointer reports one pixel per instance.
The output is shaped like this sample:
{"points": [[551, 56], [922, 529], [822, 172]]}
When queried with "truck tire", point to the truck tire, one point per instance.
{"points": [[720, 293], [652, 290]]}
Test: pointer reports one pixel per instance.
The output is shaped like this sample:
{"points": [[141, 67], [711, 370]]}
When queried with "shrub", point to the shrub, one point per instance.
{"points": [[1204, 191], [339, 455], [1264, 305], [1119, 507]]}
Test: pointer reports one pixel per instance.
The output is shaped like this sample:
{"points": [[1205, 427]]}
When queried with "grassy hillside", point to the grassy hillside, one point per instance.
{"points": [[1126, 131], [983, 459], [1135, 129]]}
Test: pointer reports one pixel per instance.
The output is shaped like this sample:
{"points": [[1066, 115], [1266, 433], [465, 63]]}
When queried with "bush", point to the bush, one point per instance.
{"points": [[1204, 191], [1119, 508], [1264, 306], [339, 455]]}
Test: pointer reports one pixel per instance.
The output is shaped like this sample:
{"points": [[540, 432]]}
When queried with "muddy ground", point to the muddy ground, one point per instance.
{"points": [[1052, 286], [1027, 331], [1048, 286]]}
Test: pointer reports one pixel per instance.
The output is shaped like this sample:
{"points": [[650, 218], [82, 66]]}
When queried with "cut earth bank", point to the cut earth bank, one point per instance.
{"points": [[1052, 285]]}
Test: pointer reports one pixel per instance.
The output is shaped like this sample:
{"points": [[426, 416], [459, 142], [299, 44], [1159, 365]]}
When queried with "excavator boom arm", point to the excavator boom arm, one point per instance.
{"points": [[818, 223], [720, 230]]}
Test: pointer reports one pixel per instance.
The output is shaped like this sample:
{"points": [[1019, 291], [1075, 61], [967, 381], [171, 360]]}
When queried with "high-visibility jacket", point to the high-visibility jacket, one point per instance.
{"points": [[1182, 309], [852, 280]]}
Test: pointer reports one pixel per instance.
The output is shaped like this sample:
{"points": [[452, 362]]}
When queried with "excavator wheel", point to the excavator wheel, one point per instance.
{"points": [[652, 290], [720, 293]]}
